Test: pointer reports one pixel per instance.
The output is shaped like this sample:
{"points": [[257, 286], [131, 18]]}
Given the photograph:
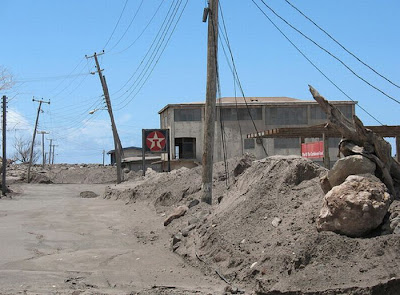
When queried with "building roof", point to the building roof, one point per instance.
{"points": [[126, 148], [139, 159], [253, 101], [318, 130]]}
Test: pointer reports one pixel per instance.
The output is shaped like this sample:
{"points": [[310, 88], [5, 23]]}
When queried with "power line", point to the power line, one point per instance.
{"points": [[156, 61], [313, 64], [148, 51], [342, 46], [116, 25], [331, 54], [41, 79], [134, 17], [70, 83], [59, 84], [144, 29], [235, 73]]}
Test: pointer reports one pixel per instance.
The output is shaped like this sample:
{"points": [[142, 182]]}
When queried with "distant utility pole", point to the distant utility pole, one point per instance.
{"points": [[43, 157], [34, 134], [4, 160], [52, 159], [51, 141], [104, 152], [117, 142], [211, 96]]}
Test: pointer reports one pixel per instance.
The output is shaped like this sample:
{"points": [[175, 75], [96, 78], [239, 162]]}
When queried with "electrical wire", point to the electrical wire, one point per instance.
{"points": [[238, 80], [127, 29], [156, 61], [41, 79], [144, 29], [116, 25], [156, 49], [331, 54], [147, 53], [313, 64], [342, 46], [59, 84]]}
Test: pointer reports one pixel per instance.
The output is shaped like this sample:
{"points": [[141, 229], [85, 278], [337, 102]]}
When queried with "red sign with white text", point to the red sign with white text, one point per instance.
{"points": [[312, 150]]}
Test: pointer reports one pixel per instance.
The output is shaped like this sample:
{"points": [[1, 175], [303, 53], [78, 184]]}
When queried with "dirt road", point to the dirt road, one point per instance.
{"points": [[54, 242]]}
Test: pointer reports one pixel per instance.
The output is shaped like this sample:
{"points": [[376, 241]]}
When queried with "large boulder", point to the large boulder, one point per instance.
{"points": [[351, 165], [355, 207]]}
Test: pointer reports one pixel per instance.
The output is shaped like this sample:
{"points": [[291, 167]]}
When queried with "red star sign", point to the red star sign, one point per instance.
{"points": [[155, 141]]}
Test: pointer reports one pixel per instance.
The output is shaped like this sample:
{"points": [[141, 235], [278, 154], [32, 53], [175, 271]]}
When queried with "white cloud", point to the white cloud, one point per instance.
{"points": [[16, 121]]}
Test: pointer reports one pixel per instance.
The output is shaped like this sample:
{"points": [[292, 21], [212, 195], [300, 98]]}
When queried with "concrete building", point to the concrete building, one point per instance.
{"points": [[237, 118]]}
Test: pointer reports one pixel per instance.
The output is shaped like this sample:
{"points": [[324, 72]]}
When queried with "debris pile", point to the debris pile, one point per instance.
{"points": [[66, 173], [260, 233], [361, 186]]}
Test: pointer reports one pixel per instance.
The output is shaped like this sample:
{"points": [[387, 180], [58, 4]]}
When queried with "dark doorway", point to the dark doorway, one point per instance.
{"points": [[185, 148]]}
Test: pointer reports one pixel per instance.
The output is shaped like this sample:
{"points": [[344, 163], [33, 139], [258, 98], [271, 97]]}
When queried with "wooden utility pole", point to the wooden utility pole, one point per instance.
{"points": [[104, 152], [4, 160], [51, 141], [117, 142], [43, 157], [211, 96], [34, 135], [52, 160]]}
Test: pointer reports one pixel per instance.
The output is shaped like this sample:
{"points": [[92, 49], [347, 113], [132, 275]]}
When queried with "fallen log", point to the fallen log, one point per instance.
{"points": [[372, 145]]}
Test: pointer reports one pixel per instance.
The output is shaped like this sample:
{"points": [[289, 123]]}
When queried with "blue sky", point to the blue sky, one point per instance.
{"points": [[44, 44]]}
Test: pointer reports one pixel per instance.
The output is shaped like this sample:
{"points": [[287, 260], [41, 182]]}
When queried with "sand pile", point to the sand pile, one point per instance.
{"points": [[67, 173], [260, 233]]}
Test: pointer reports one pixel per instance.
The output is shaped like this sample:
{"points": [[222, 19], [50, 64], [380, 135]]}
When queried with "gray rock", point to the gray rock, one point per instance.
{"points": [[177, 238], [220, 198], [186, 230], [88, 194], [243, 164], [351, 165], [193, 220], [193, 203], [355, 207], [276, 221]]}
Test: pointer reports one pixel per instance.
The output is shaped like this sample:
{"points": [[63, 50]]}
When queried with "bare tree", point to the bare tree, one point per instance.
{"points": [[22, 151], [6, 79]]}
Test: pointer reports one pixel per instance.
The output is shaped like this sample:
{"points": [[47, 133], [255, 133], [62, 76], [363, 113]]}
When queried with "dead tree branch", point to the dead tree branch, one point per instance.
{"points": [[374, 146]]}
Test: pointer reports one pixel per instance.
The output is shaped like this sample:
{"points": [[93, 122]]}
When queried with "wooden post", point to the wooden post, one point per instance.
{"points": [[143, 153], [117, 142], [43, 157], [210, 105], [327, 160], [398, 149], [34, 136], [4, 160]]}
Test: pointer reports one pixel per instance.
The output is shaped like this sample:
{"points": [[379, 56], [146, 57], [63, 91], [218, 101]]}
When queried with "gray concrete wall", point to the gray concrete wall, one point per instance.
{"points": [[276, 116]]}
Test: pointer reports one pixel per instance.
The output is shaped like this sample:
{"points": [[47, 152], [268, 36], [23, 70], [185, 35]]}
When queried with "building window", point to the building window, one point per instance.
{"points": [[333, 142], [233, 114], [187, 115], [286, 143], [347, 111], [317, 113], [249, 143], [185, 148], [286, 116]]}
